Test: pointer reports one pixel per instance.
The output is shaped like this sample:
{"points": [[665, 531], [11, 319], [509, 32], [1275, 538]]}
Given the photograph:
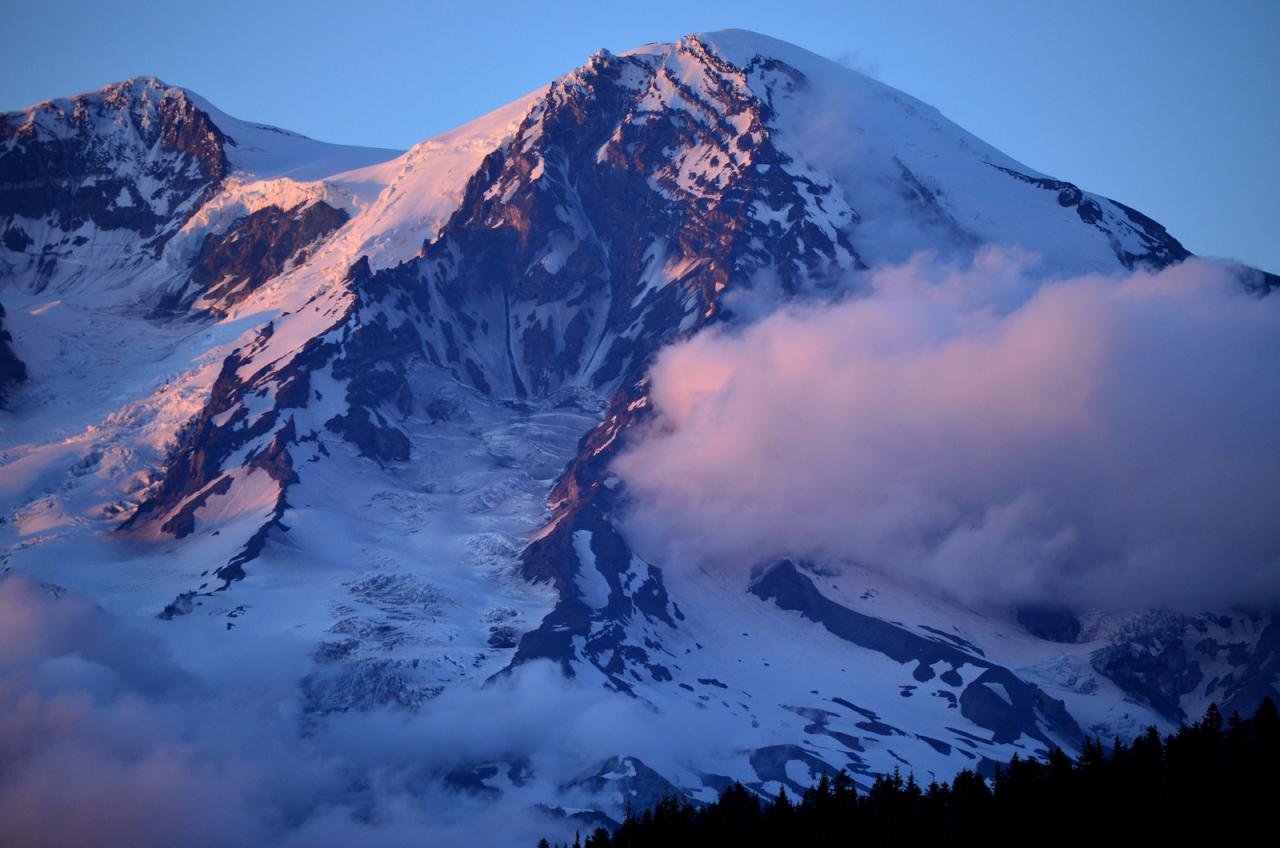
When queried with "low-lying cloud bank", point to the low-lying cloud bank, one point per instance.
{"points": [[1100, 440], [106, 741]]}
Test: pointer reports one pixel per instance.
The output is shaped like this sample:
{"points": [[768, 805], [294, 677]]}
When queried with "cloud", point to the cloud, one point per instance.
{"points": [[1101, 440], [859, 61], [105, 740]]}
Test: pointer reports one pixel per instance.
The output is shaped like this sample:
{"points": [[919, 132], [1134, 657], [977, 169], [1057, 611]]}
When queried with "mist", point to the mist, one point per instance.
{"points": [[106, 740], [986, 430]]}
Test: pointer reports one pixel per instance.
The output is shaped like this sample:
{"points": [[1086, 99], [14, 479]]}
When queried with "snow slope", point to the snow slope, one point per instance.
{"points": [[420, 189], [266, 152]]}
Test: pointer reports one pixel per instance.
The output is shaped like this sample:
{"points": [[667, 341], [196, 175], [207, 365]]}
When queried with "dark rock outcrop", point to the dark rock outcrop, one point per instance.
{"points": [[232, 265], [580, 247], [626, 779], [1178, 663], [12, 369], [137, 155], [1048, 622], [997, 699], [1255, 679], [1159, 249], [1148, 658]]}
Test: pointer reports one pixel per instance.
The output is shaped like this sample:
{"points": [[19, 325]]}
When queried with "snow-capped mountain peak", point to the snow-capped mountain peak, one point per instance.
{"points": [[370, 401]]}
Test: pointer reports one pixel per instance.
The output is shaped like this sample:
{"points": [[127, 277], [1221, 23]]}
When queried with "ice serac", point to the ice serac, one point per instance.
{"points": [[366, 390]]}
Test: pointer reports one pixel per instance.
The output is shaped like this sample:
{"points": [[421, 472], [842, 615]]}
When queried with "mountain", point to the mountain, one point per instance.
{"points": [[278, 390]]}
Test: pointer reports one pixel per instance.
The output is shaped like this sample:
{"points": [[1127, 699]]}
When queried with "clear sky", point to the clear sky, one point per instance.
{"points": [[1170, 106]]}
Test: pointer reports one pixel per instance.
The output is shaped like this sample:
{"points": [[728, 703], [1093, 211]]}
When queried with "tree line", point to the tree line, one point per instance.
{"points": [[1211, 781]]}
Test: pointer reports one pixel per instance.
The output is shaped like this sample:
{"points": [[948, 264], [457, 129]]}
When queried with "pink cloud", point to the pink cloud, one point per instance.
{"points": [[1108, 440]]}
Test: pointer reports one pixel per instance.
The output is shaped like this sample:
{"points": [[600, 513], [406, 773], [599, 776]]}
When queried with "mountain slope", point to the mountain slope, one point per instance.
{"points": [[370, 407]]}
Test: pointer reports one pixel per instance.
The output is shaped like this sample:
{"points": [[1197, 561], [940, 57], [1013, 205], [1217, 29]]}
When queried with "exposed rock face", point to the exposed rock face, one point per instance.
{"points": [[233, 264], [1161, 657], [1253, 677], [1053, 623], [1158, 248], [586, 542], [583, 504], [639, 786], [584, 243], [12, 369], [136, 156], [198, 469], [1149, 660], [1019, 709], [271, 416]]}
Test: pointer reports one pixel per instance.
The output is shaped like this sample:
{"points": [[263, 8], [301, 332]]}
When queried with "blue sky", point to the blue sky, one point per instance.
{"points": [[1170, 107]]}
